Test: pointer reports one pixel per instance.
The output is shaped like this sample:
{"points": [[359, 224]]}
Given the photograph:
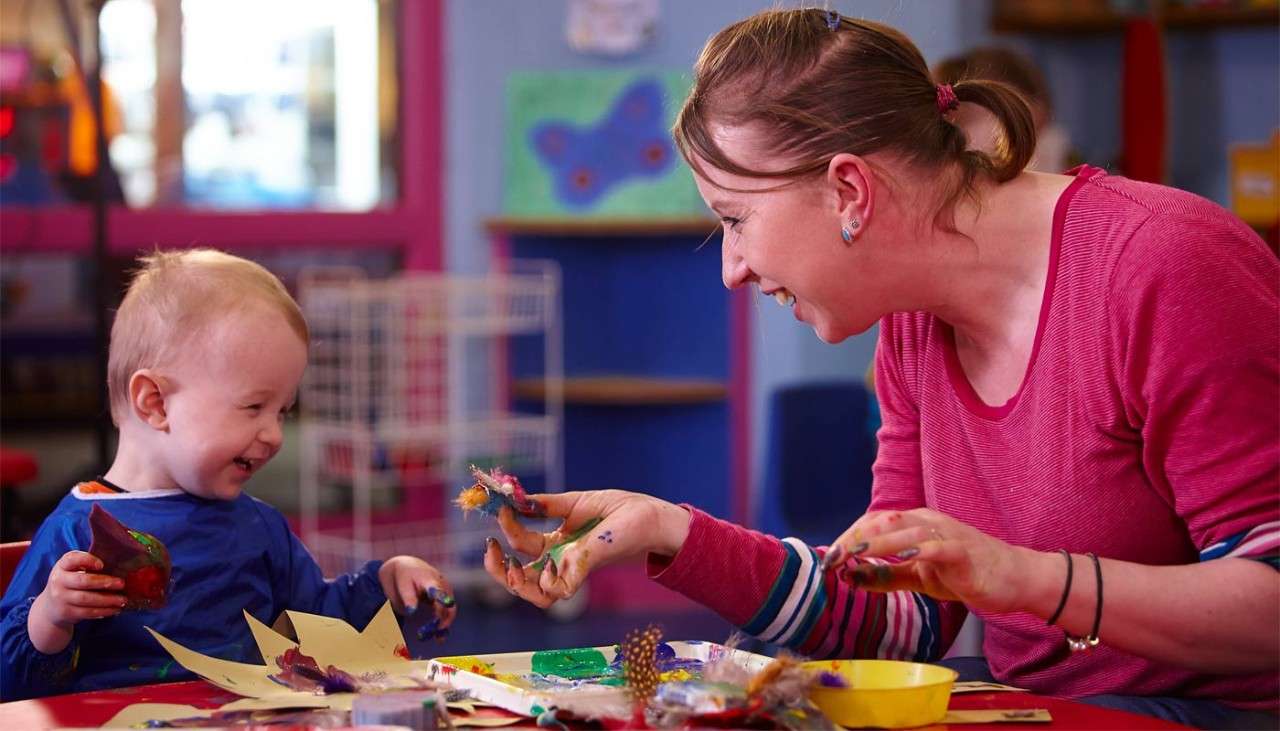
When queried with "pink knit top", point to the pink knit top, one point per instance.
{"points": [[1146, 429]]}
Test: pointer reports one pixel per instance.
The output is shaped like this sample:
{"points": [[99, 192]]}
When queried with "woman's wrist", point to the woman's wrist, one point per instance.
{"points": [[1042, 576], [673, 523]]}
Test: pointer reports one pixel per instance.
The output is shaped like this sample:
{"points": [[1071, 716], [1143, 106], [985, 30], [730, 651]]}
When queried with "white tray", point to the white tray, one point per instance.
{"points": [[510, 689]]}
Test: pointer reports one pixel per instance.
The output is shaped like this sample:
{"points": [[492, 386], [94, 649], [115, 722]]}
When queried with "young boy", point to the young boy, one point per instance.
{"points": [[206, 355]]}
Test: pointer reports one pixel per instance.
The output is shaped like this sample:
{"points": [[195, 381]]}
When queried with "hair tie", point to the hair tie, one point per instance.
{"points": [[947, 100], [833, 20]]}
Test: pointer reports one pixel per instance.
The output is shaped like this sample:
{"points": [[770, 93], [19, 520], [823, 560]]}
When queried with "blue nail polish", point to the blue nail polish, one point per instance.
{"points": [[410, 609], [909, 553], [859, 548]]}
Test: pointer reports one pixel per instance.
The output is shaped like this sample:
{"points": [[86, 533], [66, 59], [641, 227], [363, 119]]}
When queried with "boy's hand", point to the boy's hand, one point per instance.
{"points": [[73, 593], [414, 585]]}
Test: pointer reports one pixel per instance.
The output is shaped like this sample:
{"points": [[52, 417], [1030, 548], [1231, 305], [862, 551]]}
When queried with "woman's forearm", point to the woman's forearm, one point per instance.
{"points": [[1218, 616]]}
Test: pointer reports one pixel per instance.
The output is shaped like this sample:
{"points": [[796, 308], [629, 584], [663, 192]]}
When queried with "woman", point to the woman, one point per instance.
{"points": [[1078, 377]]}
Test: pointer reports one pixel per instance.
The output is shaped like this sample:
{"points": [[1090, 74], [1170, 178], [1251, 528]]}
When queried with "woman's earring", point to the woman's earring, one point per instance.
{"points": [[846, 233]]}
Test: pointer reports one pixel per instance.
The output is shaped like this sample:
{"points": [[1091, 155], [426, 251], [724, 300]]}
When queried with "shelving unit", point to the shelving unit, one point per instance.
{"points": [[628, 390], [650, 402], [1082, 18], [404, 392]]}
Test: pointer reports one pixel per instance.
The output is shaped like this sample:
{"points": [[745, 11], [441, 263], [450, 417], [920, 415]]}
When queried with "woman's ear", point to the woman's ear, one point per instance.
{"points": [[853, 184], [146, 399]]}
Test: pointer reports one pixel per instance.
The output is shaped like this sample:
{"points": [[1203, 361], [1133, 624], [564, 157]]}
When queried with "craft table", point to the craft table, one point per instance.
{"points": [[94, 709]]}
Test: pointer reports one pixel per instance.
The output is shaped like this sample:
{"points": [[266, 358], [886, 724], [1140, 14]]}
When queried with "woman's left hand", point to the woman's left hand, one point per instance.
{"points": [[938, 555]]}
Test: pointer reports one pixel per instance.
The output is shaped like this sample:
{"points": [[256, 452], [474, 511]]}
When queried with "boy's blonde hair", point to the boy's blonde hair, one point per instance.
{"points": [[172, 299]]}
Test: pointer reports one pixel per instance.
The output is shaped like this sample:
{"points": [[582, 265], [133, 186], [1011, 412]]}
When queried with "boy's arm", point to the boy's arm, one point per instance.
{"points": [[299, 585], [27, 672]]}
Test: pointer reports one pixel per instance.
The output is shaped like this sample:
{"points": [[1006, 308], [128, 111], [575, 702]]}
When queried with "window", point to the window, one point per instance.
{"points": [[224, 104]]}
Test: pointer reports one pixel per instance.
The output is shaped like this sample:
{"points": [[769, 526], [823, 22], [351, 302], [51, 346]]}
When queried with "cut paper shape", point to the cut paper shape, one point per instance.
{"points": [[137, 558], [370, 657]]}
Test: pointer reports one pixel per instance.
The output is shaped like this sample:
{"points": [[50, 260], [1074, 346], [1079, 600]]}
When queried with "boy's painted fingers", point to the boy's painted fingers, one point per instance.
{"points": [[530, 543], [405, 597], [439, 600]]}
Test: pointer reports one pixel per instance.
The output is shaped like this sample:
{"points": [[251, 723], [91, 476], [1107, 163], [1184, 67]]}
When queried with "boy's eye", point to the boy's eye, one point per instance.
{"points": [[731, 222], [254, 407]]}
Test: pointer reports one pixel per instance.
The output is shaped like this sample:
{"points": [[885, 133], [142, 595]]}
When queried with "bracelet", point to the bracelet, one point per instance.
{"points": [[1066, 590], [1078, 644]]}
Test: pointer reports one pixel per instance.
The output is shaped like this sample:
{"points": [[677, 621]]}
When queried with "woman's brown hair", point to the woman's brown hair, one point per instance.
{"points": [[819, 84]]}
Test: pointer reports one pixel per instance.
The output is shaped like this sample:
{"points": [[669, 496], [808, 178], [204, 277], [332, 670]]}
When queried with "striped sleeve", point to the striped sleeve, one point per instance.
{"points": [[1261, 543], [774, 590], [822, 616]]}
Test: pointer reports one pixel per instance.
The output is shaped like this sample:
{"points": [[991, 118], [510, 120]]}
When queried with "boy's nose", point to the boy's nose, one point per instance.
{"points": [[272, 434]]}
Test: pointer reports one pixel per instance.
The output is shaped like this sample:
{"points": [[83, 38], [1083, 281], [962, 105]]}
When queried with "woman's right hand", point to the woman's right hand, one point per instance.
{"points": [[631, 524]]}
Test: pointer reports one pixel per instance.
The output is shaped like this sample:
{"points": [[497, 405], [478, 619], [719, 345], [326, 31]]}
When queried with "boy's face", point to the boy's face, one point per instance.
{"points": [[228, 398]]}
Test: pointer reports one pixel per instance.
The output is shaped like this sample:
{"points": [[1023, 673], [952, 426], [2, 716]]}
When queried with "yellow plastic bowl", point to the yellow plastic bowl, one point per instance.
{"points": [[884, 693]]}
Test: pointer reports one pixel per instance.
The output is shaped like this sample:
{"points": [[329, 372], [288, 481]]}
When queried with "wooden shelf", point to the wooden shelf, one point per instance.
{"points": [[1210, 17], [628, 391], [601, 227], [1083, 20]]}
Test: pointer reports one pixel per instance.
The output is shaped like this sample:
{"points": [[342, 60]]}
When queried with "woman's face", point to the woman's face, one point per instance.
{"points": [[788, 242]]}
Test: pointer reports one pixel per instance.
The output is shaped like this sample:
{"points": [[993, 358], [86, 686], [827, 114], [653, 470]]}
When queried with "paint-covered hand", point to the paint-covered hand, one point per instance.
{"points": [[600, 527], [935, 554], [74, 592], [413, 586]]}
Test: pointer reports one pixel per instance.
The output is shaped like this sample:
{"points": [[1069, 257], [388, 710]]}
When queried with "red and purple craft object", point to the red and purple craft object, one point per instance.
{"points": [[138, 558]]}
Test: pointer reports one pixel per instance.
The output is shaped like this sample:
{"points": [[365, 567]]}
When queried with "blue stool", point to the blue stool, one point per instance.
{"points": [[818, 469]]}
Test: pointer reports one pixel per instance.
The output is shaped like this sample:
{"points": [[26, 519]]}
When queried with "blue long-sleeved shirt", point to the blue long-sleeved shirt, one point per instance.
{"points": [[227, 556]]}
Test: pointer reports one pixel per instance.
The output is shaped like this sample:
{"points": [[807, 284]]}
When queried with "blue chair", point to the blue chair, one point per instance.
{"points": [[818, 460]]}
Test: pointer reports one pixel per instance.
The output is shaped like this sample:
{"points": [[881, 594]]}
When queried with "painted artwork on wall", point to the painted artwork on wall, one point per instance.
{"points": [[596, 145]]}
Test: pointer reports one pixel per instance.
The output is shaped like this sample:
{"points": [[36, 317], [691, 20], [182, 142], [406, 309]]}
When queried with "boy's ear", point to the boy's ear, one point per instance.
{"points": [[146, 398]]}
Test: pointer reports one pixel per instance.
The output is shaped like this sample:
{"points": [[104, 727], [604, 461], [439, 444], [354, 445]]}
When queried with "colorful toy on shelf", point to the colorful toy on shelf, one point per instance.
{"points": [[138, 558]]}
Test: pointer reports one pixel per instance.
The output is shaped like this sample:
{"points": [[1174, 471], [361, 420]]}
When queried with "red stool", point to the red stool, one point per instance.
{"points": [[17, 468]]}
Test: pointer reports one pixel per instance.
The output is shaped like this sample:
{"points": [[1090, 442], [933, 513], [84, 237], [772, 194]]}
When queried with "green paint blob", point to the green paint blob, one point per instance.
{"points": [[163, 671], [536, 710], [571, 664]]}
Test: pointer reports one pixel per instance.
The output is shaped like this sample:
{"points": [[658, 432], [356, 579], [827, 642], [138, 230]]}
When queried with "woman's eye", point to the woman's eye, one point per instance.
{"points": [[731, 222], [254, 407]]}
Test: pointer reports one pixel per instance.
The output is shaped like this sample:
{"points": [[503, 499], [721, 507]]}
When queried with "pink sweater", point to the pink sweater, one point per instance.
{"points": [[1147, 429]]}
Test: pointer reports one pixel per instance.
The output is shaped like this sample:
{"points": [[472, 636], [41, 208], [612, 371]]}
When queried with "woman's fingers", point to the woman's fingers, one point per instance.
{"points": [[530, 543], [495, 561]]}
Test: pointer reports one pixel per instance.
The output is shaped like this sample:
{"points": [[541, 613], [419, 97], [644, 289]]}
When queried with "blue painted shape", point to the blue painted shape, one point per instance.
{"points": [[629, 142]]}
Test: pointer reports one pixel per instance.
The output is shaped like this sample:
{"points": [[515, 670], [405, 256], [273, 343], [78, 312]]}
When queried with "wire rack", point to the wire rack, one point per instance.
{"points": [[407, 386]]}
